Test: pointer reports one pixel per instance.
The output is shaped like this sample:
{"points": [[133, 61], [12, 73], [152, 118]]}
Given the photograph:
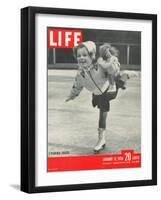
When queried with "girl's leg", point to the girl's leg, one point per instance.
{"points": [[102, 119], [101, 131]]}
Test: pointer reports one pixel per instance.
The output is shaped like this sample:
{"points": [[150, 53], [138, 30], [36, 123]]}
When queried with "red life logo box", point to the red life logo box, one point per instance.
{"points": [[64, 38]]}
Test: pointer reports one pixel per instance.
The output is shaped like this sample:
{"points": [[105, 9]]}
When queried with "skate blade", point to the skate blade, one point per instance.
{"points": [[98, 151]]}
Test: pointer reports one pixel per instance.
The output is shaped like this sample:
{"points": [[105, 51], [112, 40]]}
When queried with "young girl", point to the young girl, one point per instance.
{"points": [[94, 78]]}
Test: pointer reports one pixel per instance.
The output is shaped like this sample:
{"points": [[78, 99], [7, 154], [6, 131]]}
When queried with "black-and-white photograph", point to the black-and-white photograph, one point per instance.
{"points": [[89, 99], [94, 97]]}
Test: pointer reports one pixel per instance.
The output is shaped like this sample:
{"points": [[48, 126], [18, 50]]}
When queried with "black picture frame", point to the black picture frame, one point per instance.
{"points": [[28, 91]]}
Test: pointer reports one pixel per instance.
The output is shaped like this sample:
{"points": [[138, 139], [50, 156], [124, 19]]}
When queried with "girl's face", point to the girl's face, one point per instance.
{"points": [[83, 58]]}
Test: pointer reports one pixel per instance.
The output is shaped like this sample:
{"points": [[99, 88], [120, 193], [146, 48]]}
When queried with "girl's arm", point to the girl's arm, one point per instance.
{"points": [[76, 89]]}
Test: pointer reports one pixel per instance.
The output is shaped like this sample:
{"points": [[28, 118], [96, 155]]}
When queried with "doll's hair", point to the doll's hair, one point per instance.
{"points": [[103, 48]]}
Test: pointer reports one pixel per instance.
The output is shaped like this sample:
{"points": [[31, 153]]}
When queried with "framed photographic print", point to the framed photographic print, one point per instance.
{"points": [[88, 99]]}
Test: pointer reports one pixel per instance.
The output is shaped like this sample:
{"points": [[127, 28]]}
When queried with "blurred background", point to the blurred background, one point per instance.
{"points": [[127, 42]]}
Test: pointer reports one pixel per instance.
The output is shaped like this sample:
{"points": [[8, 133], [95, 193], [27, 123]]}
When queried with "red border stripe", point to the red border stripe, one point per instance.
{"points": [[127, 159]]}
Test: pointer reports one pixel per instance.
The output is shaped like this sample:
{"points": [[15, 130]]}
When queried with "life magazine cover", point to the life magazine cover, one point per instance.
{"points": [[94, 99]]}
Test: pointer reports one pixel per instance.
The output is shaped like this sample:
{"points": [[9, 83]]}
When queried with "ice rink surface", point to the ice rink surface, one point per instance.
{"points": [[72, 126]]}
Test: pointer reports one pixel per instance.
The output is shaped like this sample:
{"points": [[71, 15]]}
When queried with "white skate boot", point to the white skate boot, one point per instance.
{"points": [[101, 140]]}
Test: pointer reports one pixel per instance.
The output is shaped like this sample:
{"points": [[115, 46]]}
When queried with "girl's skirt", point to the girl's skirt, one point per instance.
{"points": [[103, 101]]}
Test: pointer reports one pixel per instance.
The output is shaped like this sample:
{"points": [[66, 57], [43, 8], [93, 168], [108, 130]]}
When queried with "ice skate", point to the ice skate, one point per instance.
{"points": [[124, 76], [130, 73], [101, 141]]}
